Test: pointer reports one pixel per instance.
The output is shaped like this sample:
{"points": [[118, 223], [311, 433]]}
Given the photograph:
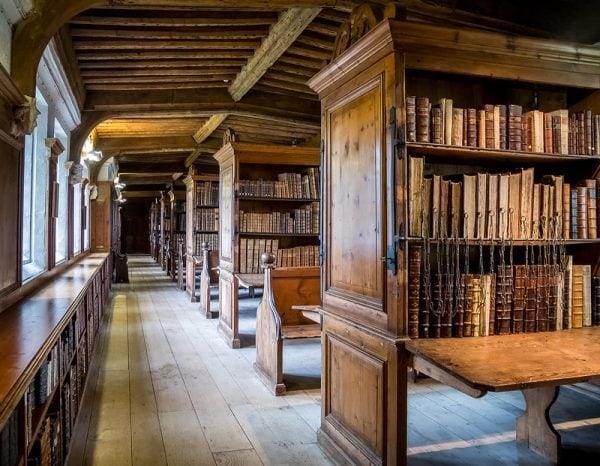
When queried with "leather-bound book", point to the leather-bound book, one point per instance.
{"points": [[427, 203], [470, 206], [514, 205], [514, 127], [560, 131], [526, 135], [525, 216], [566, 211], [492, 206], [465, 127], [504, 299], [556, 201], [489, 305], [536, 205], [503, 205], [577, 297], [568, 295], [437, 134], [581, 146], [596, 130], [489, 126], [456, 214], [588, 132], [574, 215], [414, 282], [595, 300], [436, 192], [481, 129], [542, 299], [502, 126], [582, 212], [444, 208], [548, 143], [587, 295], [557, 145], [458, 320], [435, 318], [475, 299], [481, 213], [457, 127], [519, 299], [411, 118], [471, 283], [424, 315], [448, 121], [448, 290], [415, 192], [572, 134], [471, 127], [423, 119], [591, 209], [531, 295], [553, 281], [496, 127]]}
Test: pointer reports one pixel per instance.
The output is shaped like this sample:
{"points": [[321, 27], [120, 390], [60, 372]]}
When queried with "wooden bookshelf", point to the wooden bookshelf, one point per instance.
{"points": [[50, 335], [197, 207], [154, 229], [165, 231], [243, 162], [367, 294], [177, 229]]}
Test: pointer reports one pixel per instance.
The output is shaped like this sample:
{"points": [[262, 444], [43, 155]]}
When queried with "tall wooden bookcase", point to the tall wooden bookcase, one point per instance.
{"points": [[165, 230], [239, 162], [365, 195], [177, 228], [200, 209], [154, 228]]}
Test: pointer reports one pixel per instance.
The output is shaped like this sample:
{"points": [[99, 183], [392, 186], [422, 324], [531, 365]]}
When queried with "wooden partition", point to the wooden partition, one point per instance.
{"points": [[209, 278]]}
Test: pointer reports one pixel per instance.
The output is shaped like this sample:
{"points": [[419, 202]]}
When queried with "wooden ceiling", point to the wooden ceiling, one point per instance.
{"points": [[170, 80]]}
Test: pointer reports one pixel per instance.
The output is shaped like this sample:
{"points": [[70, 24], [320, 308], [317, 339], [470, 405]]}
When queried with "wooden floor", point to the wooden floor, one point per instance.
{"points": [[165, 389]]}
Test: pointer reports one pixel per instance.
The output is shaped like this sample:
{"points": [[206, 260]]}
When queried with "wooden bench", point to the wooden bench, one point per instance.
{"points": [[277, 320], [209, 278], [250, 281], [181, 255], [535, 363]]}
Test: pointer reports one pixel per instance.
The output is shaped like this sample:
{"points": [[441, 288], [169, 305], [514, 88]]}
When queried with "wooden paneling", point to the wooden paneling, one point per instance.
{"points": [[10, 193], [226, 205], [228, 308], [101, 217]]}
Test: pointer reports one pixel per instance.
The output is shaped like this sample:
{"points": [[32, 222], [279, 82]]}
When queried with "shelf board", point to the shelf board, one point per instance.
{"points": [[207, 206], [205, 232], [518, 242], [455, 153], [253, 233], [276, 199]]}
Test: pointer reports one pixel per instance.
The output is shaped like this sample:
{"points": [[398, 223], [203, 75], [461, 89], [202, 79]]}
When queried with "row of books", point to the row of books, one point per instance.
{"points": [[50, 451], [180, 221], [211, 239], [517, 299], [68, 345], [287, 186], [206, 219], [304, 219], [300, 256], [44, 382], [501, 206], [250, 251], [9, 440], [502, 127], [207, 193]]}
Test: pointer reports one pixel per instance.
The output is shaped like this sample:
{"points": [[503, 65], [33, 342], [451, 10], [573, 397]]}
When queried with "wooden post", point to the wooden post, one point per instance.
{"points": [[205, 283]]}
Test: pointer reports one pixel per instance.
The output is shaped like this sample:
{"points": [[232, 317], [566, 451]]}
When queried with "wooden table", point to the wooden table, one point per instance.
{"points": [[537, 364]]}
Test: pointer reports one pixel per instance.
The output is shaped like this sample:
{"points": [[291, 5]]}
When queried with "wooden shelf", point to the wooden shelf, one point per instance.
{"points": [[476, 154], [518, 242], [208, 206], [205, 232], [254, 233], [276, 199]]}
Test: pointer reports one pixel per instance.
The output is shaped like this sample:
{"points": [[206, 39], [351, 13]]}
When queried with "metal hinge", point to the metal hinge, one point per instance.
{"points": [[397, 134], [397, 243]]}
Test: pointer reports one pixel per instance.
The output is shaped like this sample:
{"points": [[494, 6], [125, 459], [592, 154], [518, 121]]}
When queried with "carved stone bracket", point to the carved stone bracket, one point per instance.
{"points": [[24, 118], [362, 19], [229, 136], [56, 147], [75, 172]]}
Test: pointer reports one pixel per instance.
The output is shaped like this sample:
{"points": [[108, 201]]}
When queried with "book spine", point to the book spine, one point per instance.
{"points": [[553, 292], [514, 127], [414, 280], [519, 302], [503, 127], [435, 318], [530, 299], [504, 299], [566, 211], [574, 216], [436, 125], [446, 326], [588, 132], [582, 212], [542, 299], [489, 126], [423, 119], [591, 209], [577, 297], [411, 118], [471, 127], [548, 133], [458, 321], [556, 135]]}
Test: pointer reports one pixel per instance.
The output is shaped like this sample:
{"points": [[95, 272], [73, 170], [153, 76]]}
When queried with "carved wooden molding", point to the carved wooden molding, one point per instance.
{"points": [[229, 136], [362, 19], [24, 118], [56, 147]]}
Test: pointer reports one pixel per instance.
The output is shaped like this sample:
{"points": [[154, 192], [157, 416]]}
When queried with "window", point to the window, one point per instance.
{"points": [[77, 214], [35, 195], [62, 178], [85, 218]]}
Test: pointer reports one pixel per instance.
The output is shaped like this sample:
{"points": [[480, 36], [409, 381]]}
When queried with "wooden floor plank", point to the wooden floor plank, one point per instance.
{"points": [[238, 458], [184, 440]]}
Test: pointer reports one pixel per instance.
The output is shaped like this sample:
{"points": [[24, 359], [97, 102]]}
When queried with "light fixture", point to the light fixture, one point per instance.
{"points": [[120, 185], [226, 80]]}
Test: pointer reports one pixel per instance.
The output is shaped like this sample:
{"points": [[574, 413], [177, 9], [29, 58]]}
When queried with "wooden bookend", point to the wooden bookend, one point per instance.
{"points": [[269, 343]]}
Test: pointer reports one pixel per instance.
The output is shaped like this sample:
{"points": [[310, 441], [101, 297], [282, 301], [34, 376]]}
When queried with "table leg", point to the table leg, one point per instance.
{"points": [[534, 427]]}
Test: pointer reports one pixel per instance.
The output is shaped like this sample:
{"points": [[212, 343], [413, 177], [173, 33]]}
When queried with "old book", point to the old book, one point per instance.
{"points": [[595, 300], [427, 205], [481, 213], [577, 296], [411, 118], [423, 119], [243, 249], [591, 209], [502, 126], [536, 121], [560, 300], [486, 307], [566, 211], [414, 282], [596, 130], [587, 295], [476, 301], [448, 121], [489, 126], [556, 203], [465, 127], [448, 290], [491, 304], [574, 215], [471, 127], [444, 208], [561, 135], [469, 205], [455, 209], [503, 206], [582, 212], [457, 127], [526, 203], [514, 205], [542, 299], [545, 208], [425, 309], [481, 129], [536, 205], [492, 206], [526, 133], [553, 283], [556, 134], [567, 294], [436, 191], [519, 298], [514, 127], [548, 144], [437, 308], [504, 299], [531, 294], [437, 125], [496, 127], [471, 282], [458, 320], [415, 187]]}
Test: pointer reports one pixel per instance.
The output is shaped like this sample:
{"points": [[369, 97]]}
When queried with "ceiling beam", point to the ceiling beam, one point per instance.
{"points": [[282, 35], [204, 133], [224, 32], [142, 144]]}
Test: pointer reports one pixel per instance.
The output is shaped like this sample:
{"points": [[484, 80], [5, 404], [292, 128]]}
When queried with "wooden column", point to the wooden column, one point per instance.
{"points": [[101, 217], [55, 148]]}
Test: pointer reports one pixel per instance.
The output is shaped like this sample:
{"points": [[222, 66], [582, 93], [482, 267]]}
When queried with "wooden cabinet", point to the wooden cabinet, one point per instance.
{"points": [[201, 209], [256, 215], [366, 195], [177, 229], [165, 230], [154, 228]]}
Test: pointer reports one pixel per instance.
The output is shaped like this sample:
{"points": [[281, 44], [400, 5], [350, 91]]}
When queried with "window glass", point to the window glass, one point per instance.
{"points": [[62, 178]]}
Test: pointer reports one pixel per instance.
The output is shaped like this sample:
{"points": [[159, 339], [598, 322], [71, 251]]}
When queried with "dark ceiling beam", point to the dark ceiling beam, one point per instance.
{"points": [[142, 145]]}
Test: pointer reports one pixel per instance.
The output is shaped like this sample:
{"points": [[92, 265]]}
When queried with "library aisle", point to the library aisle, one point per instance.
{"points": [[164, 388]]}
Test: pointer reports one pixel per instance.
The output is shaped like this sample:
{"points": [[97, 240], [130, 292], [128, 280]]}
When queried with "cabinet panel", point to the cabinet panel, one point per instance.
{"points": [[9, 213], [355, 202], [226, 205]]}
